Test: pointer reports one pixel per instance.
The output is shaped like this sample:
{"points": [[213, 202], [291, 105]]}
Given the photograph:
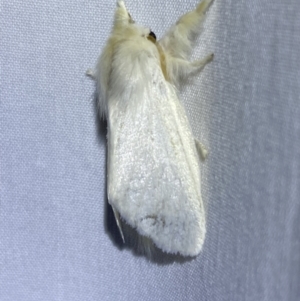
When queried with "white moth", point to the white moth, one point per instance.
{"points": [[153, 159]]}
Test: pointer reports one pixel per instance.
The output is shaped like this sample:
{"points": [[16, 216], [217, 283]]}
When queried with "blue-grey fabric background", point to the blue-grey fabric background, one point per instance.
{"points": [[56, 241]]}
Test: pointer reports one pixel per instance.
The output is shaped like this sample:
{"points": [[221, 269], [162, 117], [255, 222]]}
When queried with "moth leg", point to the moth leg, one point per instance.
{"points": [[200, 64], [91, 73], [178, 40], [179, 68], [202, 151], [203, 6], [121, 4], [118, 221], [122, 17]]}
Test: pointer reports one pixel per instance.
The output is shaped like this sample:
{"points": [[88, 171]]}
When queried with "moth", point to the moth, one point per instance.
{"points": [[153, 164]]}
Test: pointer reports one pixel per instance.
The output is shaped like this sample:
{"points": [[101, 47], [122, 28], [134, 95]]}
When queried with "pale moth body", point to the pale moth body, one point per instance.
{"points": [[153, 180]]}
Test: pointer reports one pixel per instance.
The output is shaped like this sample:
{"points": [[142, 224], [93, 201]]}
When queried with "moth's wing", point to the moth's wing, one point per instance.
{"points": [[153, 166]]}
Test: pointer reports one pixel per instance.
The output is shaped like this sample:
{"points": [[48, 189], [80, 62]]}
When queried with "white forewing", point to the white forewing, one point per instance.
{"points": [[153, 167]]}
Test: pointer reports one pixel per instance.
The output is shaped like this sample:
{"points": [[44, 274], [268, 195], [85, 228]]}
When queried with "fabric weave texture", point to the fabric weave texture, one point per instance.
{"points": [[57, 239]]}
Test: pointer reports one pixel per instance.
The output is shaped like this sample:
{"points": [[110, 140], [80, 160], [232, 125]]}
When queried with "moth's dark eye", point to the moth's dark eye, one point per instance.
{"points": [[152, 34]]}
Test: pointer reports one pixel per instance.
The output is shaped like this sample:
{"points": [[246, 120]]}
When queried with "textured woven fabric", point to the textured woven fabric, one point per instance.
{"points": [[57, 241]]}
